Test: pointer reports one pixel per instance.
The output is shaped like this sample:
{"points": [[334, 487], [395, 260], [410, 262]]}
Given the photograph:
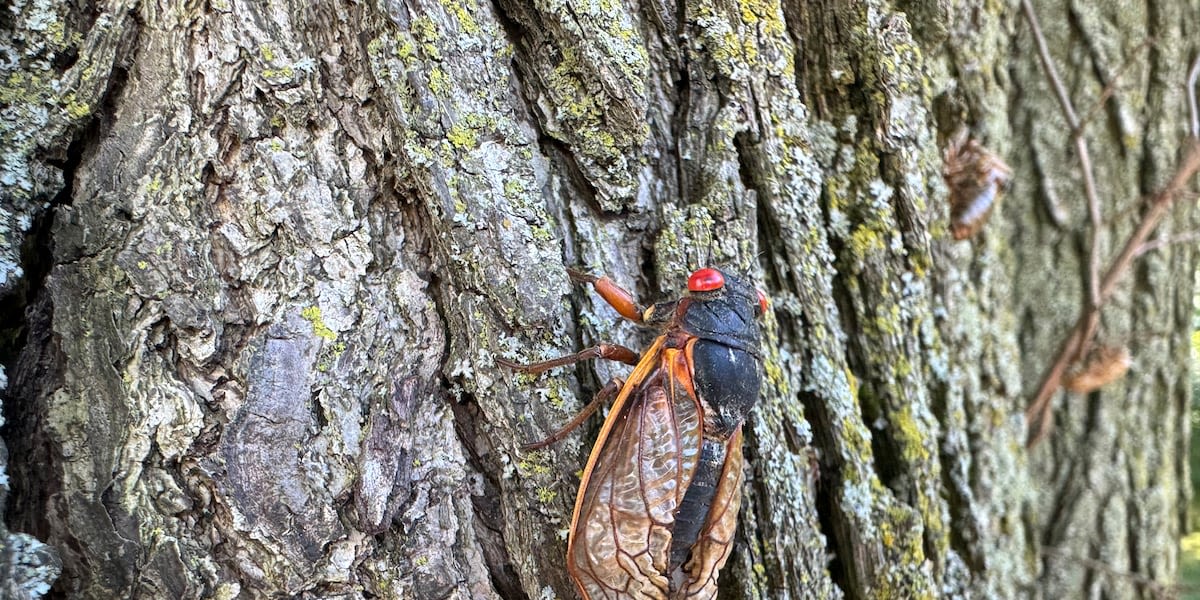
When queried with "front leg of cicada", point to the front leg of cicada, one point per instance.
{"points": [[624, 303], [606, 394], [615, 295], [615, 352]]}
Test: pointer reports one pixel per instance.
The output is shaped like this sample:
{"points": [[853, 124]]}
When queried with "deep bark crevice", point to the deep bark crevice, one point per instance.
{"points": [[467, 415], [1054, 525], [37, 252], [489, 513], [826, 482], [525, 72], [37, 371], [28, 349], [822, 449], [684, 92], [1133, 541]]}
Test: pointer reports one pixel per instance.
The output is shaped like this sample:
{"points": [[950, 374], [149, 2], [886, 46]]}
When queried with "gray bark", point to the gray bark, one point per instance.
{"points": [[288, 240], [1114, 477]]}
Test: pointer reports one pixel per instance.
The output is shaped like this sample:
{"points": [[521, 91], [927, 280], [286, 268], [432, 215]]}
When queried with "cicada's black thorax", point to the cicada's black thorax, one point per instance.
{"points": [[726, 364], [728, 316]]}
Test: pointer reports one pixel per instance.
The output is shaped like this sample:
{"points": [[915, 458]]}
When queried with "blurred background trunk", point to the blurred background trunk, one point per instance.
{"points": [[260, 258]]}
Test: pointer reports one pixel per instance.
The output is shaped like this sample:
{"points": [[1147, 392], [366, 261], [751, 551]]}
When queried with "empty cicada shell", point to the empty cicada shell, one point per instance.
{"points": [[976, 177], [1103, 366]]}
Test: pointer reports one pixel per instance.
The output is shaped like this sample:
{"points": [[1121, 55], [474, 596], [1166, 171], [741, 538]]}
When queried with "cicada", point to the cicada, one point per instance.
{"points": [[976, 177], [658, 501], [1103, 366]]}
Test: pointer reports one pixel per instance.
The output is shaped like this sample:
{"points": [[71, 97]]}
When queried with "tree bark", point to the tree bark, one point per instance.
{"points": [[1113, 479], [274, 249]]}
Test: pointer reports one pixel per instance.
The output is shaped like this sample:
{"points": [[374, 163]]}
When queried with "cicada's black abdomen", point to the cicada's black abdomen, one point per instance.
{"points": [[694, 508], [727, 379]]}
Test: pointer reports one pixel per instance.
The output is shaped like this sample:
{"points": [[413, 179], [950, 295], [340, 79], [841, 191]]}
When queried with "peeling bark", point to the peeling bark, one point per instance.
{"points": [[289, 241]]}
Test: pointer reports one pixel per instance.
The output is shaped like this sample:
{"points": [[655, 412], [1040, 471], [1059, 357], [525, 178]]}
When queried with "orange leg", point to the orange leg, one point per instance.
{"points": [[605, 395], [608, 351], [613, 294]]}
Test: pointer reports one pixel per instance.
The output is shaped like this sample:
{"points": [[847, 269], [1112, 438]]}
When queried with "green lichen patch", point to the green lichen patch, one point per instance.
{"points": [[749, 42], [462, 11], [312, 314], [763, 13], [546, 495], [462, 137], [533, 464], [283, 74], [75, 108], [583, 118], [439, 82], [595, 69]]}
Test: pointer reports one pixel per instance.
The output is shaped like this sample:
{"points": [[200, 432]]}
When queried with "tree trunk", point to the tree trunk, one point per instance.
{"points": [[1113, 480], [272, 251]]}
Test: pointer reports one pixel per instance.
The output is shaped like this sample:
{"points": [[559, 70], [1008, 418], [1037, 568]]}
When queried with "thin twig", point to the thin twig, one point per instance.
{"points": [[1159, 205], [1085, 164], [1193, 110], [1060, 91], [1111, 88], [1089, 184], [1153, 245], [1037, 414], [1093, 201]]}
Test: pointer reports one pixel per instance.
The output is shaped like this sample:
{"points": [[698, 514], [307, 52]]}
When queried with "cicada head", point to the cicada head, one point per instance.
{"points": [[724, 308]]}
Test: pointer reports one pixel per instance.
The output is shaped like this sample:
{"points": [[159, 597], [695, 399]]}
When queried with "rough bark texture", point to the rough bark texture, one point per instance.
{"points": [[273, 249], [1113, 479], [27, 566]]}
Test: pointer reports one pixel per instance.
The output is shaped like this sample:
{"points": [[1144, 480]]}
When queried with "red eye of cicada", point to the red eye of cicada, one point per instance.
{"points": [[706, 280], [763, 303]]}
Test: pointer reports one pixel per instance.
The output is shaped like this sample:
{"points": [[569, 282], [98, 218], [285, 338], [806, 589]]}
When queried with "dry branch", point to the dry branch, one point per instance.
{"points": [[1078, 342], [1081, 149], [1037, 415]]}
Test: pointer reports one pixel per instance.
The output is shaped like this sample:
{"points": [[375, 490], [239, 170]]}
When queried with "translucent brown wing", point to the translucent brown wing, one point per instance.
{"points": [[711, 550], [636, 476]]}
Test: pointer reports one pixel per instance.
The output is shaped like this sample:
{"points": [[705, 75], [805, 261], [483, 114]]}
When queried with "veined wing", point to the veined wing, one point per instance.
{"points": [[711, 549], [636, 476]]}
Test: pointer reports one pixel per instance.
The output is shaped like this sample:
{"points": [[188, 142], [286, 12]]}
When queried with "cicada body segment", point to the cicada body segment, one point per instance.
{"points": [[711, 549]]}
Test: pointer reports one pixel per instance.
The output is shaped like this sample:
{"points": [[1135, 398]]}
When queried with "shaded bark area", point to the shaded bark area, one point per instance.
{"points": [[291, 239], [28, 566]]}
